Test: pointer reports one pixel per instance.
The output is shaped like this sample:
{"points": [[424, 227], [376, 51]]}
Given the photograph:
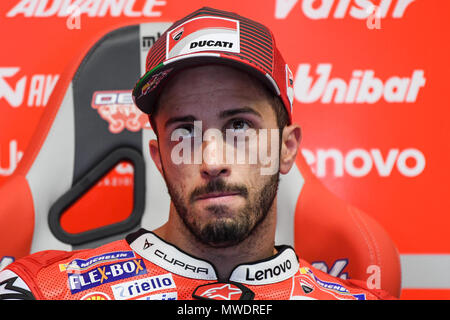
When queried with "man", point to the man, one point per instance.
{"points": [[219, 97]]}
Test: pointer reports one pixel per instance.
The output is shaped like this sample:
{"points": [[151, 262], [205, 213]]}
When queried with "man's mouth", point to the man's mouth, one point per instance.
{"points": [[218, 192], [217, 195]]}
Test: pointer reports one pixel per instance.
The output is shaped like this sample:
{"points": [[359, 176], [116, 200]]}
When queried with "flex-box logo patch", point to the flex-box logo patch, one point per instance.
{"points": [[105, 273], [203, 34]]}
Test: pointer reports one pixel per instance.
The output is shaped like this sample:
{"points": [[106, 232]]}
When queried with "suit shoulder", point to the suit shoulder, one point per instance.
{"points": [[44, 271], [330, 287]]}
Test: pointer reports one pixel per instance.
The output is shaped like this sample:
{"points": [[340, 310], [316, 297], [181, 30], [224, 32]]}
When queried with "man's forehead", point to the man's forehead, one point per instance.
{"points": [[212, 74], [221, 86]]}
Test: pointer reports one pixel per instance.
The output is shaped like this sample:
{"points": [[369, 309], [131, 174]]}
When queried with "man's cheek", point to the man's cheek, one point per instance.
{"points": [[268, 151]]}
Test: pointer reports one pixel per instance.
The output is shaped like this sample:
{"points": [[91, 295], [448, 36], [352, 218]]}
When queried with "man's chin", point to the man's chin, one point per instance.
{"points": [[223, 232], [221, 244]]}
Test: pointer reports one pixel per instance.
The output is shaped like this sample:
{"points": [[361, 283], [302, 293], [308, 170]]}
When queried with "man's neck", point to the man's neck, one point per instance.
{"points": [[257, 246]]}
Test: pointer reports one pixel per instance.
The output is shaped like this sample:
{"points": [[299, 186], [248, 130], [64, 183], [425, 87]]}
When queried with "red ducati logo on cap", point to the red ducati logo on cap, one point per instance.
{"points": [[177, 35], [223, 291]]}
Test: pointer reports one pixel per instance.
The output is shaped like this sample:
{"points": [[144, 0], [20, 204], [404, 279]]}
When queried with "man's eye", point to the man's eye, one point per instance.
{"points": [[186, 131], [239, 125]]}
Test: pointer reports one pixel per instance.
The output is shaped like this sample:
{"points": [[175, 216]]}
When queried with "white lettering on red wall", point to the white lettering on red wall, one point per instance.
{"points": [[91, 8], [362, 86], [34, 90], [9, 160], [360, 162], [339, 9]]}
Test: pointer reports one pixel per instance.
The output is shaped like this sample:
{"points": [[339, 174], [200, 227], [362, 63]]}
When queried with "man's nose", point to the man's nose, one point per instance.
{"points": [[213, 161]]}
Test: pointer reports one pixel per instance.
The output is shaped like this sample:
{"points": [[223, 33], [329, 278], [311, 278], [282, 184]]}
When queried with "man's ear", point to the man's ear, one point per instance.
{"points": [[290, 143], [154, 153]]}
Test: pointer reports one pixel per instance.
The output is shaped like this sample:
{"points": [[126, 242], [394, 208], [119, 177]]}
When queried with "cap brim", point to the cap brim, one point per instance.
{"points": [[145, 97]]}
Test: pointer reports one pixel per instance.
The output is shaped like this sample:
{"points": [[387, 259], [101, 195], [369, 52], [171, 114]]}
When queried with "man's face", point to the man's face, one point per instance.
{"points": [[219, 199]]}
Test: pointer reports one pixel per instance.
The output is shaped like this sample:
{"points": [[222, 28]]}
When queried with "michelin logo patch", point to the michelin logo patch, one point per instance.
{"points": [[104, 274], [203, 34], [84, 264]]}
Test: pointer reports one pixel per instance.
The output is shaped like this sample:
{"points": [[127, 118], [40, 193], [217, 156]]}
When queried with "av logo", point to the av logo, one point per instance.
{"points": [[13, 95], [40, 88]]}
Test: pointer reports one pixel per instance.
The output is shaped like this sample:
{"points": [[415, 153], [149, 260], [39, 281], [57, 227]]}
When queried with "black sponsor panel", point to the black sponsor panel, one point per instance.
{"points": [[103, 138], [113, 64]]}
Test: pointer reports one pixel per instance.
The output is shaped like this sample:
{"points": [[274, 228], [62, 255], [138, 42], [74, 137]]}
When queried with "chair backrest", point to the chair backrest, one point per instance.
{"points": [[90, 125]]}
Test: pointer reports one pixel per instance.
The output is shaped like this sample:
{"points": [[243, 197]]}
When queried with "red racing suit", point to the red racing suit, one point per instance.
{"points": [[143, 266]]}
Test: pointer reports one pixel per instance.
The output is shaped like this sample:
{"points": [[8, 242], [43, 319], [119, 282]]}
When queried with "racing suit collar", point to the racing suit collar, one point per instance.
{"points": [[279, 267]]}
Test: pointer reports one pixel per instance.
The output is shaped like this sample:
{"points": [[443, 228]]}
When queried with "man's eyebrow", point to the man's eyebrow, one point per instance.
{"points": [[223, 114], [233, 112], [172, 120]]}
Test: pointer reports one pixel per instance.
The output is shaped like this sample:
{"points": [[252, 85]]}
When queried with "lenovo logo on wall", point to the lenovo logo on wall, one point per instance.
{"points": [[92, 8], [363, 86], [360, 162], [16, 89], [339, 9]]}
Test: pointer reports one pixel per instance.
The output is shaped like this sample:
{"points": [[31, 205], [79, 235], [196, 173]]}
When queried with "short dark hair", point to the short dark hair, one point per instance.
{"points": [[280, 112]]}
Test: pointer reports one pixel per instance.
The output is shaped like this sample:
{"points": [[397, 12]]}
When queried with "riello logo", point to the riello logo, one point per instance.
{"points": [[91, 8], [364, 86]]}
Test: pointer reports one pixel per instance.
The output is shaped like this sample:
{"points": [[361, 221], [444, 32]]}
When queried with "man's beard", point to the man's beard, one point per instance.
{"points": [[226, 229]]}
